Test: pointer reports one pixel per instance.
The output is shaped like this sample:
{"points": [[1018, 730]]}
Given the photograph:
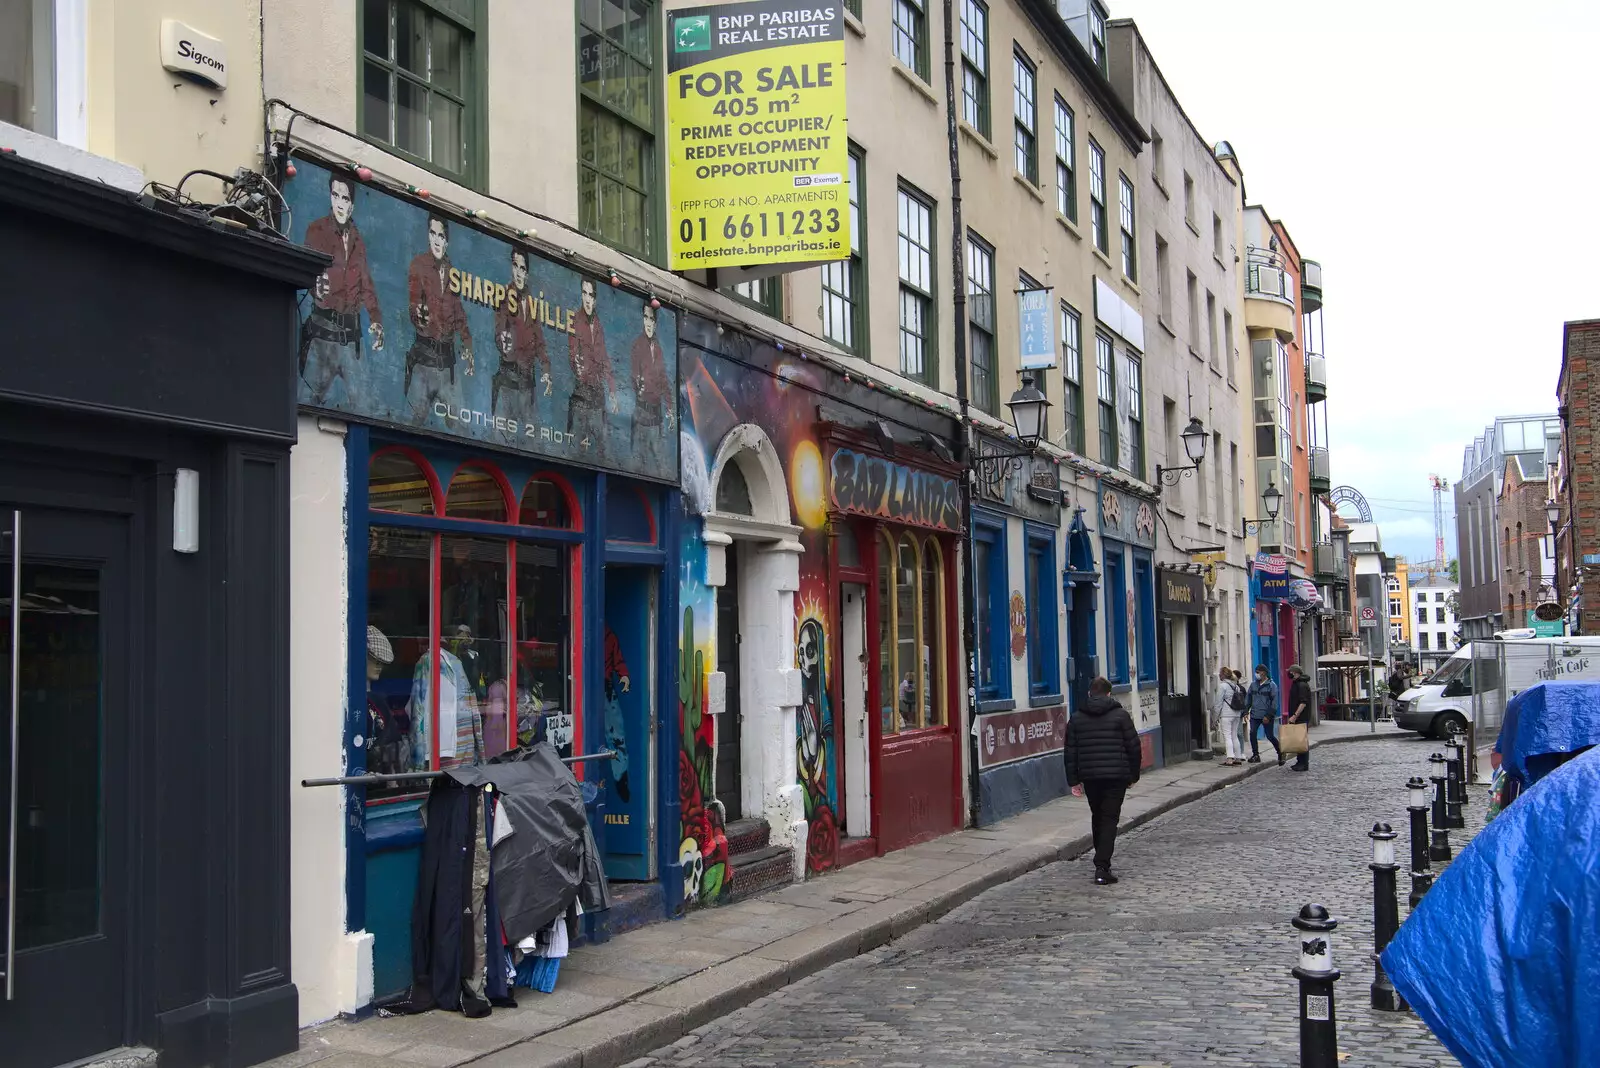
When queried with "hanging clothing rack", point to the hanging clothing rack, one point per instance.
{"points": [[420, 776]]}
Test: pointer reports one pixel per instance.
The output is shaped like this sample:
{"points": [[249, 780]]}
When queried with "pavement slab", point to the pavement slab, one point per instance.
{"points": [[681, 989]]}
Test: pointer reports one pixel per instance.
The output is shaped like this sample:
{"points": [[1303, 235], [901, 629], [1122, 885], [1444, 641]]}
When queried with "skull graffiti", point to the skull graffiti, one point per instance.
{"points": [[694, 870], [810, 656]]}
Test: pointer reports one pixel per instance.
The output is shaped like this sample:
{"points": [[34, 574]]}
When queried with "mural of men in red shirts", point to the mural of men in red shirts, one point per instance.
{"points": [[651, 411], [524, 358], [591, 374], [438, 317], [330, 337]]}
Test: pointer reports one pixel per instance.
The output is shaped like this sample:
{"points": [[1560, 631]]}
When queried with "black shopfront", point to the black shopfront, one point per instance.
{"points": [[147, 408], [1181, 605]]}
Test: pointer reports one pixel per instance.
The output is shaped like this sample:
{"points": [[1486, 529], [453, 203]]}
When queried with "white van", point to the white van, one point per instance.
{"points": [[1484, 675]]}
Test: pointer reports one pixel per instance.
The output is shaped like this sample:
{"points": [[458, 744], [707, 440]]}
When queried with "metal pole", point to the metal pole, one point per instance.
{"points": [[16, 763], [1385, 915], [376, 779], [964, 443], [1421, 875], [1319, 1036], [1372, 695], [1455, 786], [1440, 848]]}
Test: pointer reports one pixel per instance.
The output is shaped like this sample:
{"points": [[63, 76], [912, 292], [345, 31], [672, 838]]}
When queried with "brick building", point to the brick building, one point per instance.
{"points": [[1525, 575], [1578, 539]]}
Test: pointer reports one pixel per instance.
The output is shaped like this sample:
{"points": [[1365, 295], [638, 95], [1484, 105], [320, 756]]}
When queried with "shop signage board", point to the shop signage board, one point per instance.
{"points": [[1006, 737], [863, 484], [1180, 594], [1272, 577], [1032, 489], [1369, 616], [427, 323], [758, 161], [1126, 518]]}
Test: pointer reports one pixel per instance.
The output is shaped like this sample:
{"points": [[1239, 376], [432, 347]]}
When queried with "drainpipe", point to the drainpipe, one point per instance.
{"points": [[964, 441]]}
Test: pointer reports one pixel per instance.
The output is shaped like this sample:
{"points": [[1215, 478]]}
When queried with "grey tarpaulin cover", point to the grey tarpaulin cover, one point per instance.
{"points": [[550, 859]]}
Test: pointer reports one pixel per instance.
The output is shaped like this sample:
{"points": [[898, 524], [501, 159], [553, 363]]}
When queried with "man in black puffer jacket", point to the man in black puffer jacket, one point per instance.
{"points": [[1103, 760]]}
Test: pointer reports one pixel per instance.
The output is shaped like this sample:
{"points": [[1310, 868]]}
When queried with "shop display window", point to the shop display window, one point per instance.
{"points": [[989, 568], [1044, 671], [1116, 594], [446, 650], [911, 637]]}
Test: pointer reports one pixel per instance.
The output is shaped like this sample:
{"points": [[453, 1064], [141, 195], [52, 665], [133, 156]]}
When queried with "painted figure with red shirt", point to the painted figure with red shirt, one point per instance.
{"points": [[330, 336], [592, 380], [617, 683], [437, 317], [524, 358], [652, 392]]}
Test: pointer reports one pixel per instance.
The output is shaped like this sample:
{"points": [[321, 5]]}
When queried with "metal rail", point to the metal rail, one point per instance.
{"points": [[16, 716], [422, 776]]}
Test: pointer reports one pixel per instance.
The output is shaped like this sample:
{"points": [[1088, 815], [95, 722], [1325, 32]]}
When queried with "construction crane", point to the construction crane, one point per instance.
{"points": [[1439, 486]]}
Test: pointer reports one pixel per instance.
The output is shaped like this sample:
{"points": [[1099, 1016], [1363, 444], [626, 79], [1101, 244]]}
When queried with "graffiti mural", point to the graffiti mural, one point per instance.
{"points": [[717, 395], [704, 842]]}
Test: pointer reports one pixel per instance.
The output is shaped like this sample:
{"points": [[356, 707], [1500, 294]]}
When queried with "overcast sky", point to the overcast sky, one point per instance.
{"points": [[1442, 161]]}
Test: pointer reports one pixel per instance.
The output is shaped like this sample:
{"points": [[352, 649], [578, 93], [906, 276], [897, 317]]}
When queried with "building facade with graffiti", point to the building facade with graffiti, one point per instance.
{"points": [[819, 667]]}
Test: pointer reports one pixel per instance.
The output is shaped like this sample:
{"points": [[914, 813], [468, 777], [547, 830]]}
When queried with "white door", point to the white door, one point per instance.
{"points": [[857, 771]]}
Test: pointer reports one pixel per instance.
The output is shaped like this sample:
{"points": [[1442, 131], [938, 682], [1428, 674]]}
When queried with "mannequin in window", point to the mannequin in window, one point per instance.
{"points": [[617, 683], [385, 729], [460, 722], [908, 702]]}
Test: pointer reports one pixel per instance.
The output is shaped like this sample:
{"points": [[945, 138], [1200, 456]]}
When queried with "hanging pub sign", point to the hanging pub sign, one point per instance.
{"points": [[427, 323], [758, 159], [863, 484]]}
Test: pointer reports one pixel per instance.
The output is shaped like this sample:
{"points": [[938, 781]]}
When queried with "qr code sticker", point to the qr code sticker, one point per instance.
{"points": [[1317, 1007]]}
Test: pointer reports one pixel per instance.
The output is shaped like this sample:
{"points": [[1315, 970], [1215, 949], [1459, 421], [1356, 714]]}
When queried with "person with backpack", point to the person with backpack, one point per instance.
{"points": [[1103, 760], [1232, 707], [1263, 699]]}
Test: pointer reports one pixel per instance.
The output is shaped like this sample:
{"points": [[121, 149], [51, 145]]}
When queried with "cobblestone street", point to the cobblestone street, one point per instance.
{"points": [[1186, 962]]}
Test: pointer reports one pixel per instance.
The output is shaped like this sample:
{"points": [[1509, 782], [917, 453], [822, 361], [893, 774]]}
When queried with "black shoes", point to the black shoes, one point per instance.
{"points": [[1281, 758], [1253, 760], [1103, 877]]}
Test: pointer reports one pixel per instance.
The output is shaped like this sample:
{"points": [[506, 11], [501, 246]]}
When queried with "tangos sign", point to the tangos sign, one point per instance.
{"points": [[757, 152], [425, 322], [874, 486]]}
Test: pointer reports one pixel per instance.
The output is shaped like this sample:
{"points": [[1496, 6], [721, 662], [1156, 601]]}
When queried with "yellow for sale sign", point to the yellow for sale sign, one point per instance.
{"points": [[758, 156]]}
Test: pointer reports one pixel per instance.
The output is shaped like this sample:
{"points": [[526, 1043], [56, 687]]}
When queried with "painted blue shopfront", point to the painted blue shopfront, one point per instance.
{"points": [[512, 521]]}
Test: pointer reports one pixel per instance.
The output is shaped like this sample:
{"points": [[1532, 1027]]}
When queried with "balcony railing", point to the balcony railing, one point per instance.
{"points": [[1327, 563], [1267, 275], [1311, 285], [1321, 470], [1316, 378]]}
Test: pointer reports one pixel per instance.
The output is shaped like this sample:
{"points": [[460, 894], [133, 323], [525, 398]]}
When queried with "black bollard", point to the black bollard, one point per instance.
{"points": [[1319, 1036], [1385, 915], [1440, 848], [1421, 876], [1456, 782]]}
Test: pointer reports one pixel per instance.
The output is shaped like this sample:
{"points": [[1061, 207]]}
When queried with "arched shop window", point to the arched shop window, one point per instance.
{"points": [[469, 648], [397, 482], [544, 504], [475, 493], [910, 640]]}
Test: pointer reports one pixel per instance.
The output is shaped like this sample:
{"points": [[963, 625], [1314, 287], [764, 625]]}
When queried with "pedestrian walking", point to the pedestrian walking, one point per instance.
{"points": [[1301, 701], [1103, 760], [1263, 713], [1232, 708]]}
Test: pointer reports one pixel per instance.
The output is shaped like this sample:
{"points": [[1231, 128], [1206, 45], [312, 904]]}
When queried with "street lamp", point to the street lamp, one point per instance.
{"points": [[1272, 501], [1028, 406], [1194, 444]]}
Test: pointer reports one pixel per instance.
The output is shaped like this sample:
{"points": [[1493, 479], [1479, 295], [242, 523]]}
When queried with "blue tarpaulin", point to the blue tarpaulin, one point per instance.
{"points": [[1546, 722], [1502, 957]]}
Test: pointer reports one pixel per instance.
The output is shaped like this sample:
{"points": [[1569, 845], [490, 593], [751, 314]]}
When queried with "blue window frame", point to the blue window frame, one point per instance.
{"points": [[1044, 647], [994, 623], [1116, 613], [1144, 585]]}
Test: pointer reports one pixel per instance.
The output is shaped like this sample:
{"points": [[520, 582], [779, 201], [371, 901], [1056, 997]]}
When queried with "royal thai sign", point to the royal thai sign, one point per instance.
{"points": [[427, 323], [862, 484]]}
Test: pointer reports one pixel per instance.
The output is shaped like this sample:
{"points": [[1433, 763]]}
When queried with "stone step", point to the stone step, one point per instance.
{"points": [[747, 836], [756, 872]]}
